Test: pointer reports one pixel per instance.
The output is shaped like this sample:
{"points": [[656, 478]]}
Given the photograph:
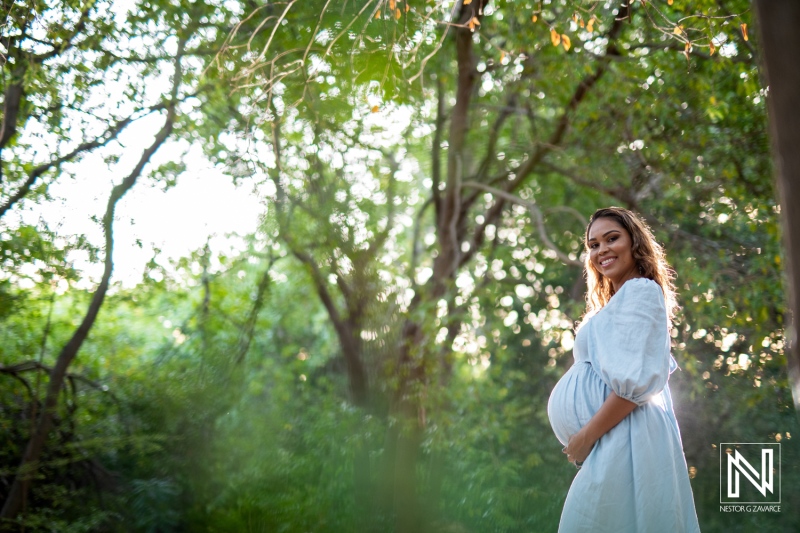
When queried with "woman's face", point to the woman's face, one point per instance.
{"points": [[610, 251]]}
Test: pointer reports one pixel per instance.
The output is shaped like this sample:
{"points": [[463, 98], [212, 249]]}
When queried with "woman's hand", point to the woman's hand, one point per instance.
{"points": [[612, 412], [578, 448]]}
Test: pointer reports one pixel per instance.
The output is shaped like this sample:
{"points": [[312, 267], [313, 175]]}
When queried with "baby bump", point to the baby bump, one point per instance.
{"points": [[575, 399]]}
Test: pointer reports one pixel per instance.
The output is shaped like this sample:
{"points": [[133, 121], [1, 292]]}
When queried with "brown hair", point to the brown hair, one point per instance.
{"points": [[647, 253]]}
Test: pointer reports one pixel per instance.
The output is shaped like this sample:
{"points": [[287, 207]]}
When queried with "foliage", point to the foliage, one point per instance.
{"points": [[219, 394]]}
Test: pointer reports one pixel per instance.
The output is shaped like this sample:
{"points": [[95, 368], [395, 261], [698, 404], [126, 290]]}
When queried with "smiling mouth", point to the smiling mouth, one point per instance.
{"points": [[606, 262]]}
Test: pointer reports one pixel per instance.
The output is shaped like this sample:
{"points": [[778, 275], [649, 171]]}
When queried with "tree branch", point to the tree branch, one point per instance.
{"points": [[526, 168], [436, 150], [69, 41], [29, 366], [505, 112], [15, 91], [536, 215], [108, 136], [249, 328], [415, 251]]}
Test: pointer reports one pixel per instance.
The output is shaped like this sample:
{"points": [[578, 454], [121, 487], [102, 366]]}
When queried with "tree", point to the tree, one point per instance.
{"points": [[54, 64], [640, 156], [16, 497], [776, 23], [429, 171]]}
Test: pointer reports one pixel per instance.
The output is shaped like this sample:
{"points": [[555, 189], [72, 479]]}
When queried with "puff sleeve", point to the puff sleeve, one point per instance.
{"points": [[629, 342]]}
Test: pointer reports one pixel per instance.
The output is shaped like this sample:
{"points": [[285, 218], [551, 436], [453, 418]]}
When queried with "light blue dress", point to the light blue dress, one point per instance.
{"points": [[635, 479]]}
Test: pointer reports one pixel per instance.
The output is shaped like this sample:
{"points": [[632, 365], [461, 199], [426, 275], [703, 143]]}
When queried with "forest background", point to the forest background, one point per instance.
{"points": [[376, 353]]}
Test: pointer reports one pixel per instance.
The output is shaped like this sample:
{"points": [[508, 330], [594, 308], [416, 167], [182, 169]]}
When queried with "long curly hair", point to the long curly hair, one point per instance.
{"points": [[647, 253]]}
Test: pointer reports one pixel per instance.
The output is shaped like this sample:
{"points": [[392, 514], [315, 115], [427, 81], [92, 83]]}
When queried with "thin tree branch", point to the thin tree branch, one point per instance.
{"points": [[582, 220], [415, 251], [16, 90], [250, 324], [536, 215], [29, 366], [109, 135], [69, 41], [449, 257], [436, 150], [505, 112], [45, 334], [380, 239]]}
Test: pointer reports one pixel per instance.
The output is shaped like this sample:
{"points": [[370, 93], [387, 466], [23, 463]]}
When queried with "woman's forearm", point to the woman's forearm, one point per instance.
{"points": [[611, 413]]}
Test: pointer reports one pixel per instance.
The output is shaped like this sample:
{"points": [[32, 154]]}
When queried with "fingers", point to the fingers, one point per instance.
{"points": [[571, 458]]}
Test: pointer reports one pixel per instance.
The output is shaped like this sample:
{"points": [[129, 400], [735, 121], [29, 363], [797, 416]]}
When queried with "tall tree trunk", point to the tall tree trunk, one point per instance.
{"points": [[408, 406], [779, 21]]}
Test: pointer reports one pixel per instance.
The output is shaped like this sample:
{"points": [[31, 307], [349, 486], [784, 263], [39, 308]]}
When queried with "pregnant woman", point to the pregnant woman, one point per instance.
{"points": [[612, 409]]}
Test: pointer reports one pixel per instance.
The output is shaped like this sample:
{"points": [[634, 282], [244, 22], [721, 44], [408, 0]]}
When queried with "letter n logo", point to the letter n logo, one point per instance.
{"points": [[740, 460], [738, 464]]}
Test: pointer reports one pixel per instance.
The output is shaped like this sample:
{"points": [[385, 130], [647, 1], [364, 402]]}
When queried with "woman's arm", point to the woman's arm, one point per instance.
{"points": [[611, 413]]}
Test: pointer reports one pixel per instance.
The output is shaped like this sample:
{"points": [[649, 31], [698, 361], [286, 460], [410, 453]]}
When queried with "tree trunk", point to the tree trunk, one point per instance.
{"points": [[779, 21], [408, 407], [11, 105]]}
